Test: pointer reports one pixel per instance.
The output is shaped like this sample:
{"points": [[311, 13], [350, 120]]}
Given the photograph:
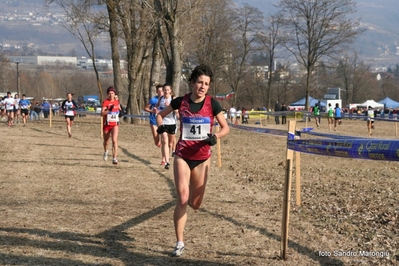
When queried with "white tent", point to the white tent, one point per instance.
{"points": [[371, 103]]}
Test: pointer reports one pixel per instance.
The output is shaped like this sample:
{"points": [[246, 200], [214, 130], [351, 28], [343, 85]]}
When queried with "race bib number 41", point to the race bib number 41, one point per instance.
{"points": [[196, 128]]}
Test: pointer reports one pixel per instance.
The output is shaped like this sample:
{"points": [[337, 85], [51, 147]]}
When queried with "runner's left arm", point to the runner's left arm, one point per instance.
{"points": [[75, 105]]}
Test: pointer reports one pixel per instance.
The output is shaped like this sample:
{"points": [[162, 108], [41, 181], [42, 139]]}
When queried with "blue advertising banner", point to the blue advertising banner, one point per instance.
{"points": [[371, 149], [328, 135], [278, 132]]}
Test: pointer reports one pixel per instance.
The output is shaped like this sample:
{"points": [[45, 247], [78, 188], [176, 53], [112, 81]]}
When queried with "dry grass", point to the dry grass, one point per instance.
{"points": [[63, 205]]}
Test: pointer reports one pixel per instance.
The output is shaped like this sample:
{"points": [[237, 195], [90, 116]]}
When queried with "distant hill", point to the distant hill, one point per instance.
{"points": [[382, 36], [44, 37], [30, 23], [377, 45]]}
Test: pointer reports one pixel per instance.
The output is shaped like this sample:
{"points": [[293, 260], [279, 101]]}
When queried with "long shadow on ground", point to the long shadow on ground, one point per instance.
{"points": [[115, 244]]}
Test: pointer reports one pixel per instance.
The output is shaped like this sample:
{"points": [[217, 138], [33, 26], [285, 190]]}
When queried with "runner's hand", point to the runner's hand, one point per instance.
{"points": [[212, 139]]}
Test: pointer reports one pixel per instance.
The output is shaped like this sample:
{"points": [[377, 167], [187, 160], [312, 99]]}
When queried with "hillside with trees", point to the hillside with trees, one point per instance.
{"points": [[252, 54]]}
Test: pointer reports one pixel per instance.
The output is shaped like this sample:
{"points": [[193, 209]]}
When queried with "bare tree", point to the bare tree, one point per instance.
{"points": [[79, 82], [388, 86], [159, 50], [345, 76], [85, 22], [128, 21], [5, 74], [214, 36], [176, 16], [136, 31], [44, 85], [247, 21], [317, 29], [365, 85], [270, 40], [352, 76], [114, 38], [156, 63]]}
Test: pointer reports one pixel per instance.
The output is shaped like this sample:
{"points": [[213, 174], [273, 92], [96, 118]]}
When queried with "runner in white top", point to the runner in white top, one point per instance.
{"points": [[9, 103], [2, 108], [168, 138], [69, 106], [238, 115], [370, 120], [232, 114]]}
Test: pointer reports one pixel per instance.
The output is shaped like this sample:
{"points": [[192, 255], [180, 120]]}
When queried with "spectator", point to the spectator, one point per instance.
{"points": [[238, 115], [35, 112], [232, 114], [46, 109], [277, 108], [284, 117], [244, 116], [316, 113], [54, 108], [225, 113]]}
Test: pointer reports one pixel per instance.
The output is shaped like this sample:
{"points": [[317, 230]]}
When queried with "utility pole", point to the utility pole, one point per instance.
{"points": [[19, 94]]}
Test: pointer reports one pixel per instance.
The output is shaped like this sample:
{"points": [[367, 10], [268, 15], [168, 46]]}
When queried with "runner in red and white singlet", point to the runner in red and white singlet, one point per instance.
{"points": [[110, 112]]}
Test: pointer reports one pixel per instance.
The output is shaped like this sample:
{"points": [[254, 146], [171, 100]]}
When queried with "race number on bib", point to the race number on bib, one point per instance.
{"points": [[112, 117], [196, 128]]}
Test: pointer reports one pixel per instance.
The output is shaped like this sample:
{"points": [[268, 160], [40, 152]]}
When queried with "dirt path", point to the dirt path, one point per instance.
{"points": [[61, 204]]}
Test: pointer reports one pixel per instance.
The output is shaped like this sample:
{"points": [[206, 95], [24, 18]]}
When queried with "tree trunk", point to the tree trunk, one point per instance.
{"points": [[174, 67], [113, 32], [155, 68], [308, 81]]}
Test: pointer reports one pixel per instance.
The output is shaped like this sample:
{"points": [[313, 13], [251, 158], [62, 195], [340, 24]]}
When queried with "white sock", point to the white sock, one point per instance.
{"points": [[179, 243]]}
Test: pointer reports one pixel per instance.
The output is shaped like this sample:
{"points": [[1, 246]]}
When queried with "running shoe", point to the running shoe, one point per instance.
{"points": [[114, 161], [178, 251], [163, 163], [105, 157], [167, 165], [69, 134], [173, 154]]}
